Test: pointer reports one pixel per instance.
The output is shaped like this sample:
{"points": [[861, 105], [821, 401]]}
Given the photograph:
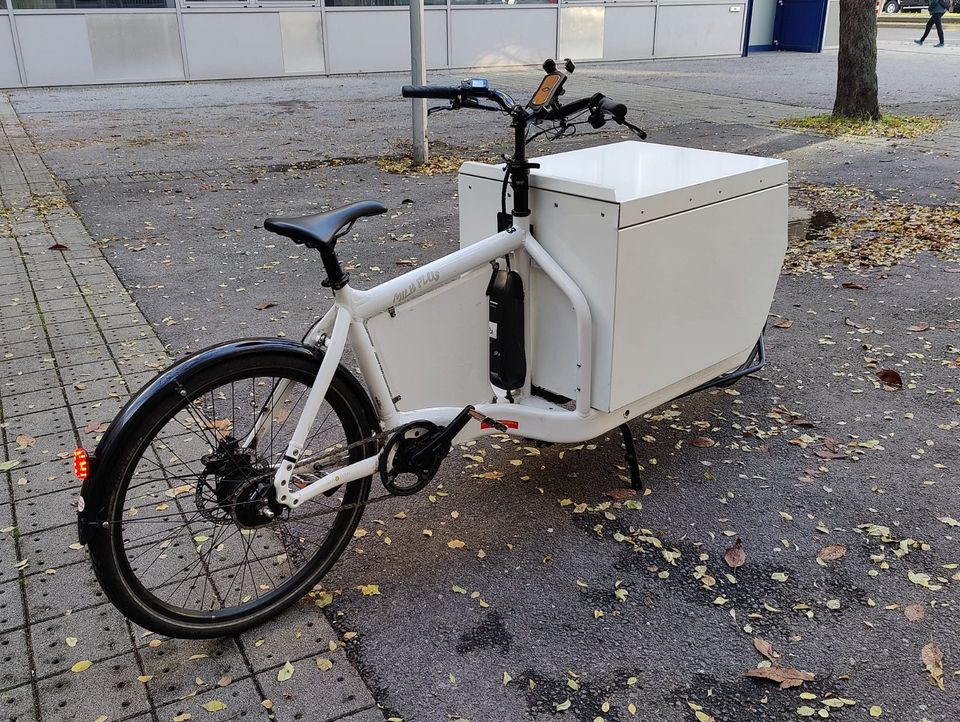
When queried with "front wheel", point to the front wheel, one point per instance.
{"points": [[195, 543], [891, 6]]}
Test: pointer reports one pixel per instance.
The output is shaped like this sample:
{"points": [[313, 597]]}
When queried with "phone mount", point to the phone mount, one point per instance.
{"points": [[551, 87]]}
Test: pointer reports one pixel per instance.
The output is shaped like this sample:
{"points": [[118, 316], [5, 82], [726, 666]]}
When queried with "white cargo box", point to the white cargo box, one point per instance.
{"points": [[677, 251]]}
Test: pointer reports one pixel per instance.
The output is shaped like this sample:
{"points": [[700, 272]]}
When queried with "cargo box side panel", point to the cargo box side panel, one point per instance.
{"points": [[693, 290], [435, 351]]}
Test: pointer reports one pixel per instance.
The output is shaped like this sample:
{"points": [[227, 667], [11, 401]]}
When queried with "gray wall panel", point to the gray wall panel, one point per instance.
{"points": [[700, 30], [302, 34], [581, 33], [55, 49], [628, 33], [761, 24], [503, 36], [831, 33], [135, 46], [233, 45], [9, 75], [379, 40]]}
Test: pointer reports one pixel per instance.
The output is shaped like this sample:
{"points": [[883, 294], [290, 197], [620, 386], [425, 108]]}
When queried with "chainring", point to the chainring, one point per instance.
{"points": [[397, 473]]}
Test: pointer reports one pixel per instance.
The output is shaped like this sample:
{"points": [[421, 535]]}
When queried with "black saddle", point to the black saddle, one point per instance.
{"points": [[321, 230]]}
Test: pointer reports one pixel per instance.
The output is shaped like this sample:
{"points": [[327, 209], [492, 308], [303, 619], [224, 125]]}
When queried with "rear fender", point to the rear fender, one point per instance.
{"points": [[95, 491]]}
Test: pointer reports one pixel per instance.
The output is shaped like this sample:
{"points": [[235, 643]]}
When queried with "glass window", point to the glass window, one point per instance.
{"points": [[91, 4], [377, 3]]}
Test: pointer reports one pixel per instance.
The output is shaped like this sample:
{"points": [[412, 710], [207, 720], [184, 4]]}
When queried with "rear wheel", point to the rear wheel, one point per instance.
{"points": [[196, 543], [891, 6]]}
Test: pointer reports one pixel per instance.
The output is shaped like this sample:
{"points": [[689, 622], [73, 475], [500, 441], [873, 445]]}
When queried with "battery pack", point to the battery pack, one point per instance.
{"points": [[508, 360]]}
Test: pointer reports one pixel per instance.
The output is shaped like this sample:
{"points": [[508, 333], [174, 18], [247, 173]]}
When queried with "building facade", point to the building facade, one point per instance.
{"points": [[78, 42]]}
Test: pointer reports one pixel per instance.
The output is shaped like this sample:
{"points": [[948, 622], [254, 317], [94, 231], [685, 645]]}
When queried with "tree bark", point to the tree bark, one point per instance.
{"points": [[857, 61]]}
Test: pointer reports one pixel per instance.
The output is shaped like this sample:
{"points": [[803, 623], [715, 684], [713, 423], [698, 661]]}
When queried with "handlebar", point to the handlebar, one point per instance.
{"points": [[465, 96], [461, 95], [448, 92]]}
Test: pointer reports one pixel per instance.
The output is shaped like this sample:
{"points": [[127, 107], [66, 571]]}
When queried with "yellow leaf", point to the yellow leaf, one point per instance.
{"points": [[81, 666], [455, 544], [324, 664], [285, 672], [71, 641], [144, 678], [369, 590], [267, 704], [507, 679], [214, 705], [703, 716], [183, 717]]}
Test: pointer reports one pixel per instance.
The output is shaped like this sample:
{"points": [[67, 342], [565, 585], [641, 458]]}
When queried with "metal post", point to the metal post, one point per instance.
{"points": [[418, 76]]}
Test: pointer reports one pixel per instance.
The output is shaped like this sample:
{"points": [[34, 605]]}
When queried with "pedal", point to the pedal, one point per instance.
{"points": [[474, 414]]}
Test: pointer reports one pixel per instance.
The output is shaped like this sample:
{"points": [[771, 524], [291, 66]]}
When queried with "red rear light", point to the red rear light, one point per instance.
{"points": [[81, 464]]}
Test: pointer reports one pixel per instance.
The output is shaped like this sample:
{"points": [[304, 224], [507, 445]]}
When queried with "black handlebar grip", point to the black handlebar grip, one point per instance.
{"points": [[617, 110], [430, 91]]}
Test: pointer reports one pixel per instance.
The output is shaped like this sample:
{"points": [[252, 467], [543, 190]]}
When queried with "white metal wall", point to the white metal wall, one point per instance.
{"points": [[76, 47]]}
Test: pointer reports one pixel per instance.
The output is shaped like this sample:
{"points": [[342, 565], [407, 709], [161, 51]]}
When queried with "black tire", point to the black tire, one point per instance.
{"points": [[891, 6], [139, 555]]}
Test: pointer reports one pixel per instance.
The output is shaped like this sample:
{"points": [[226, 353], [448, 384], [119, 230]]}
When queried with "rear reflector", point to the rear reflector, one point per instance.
{"points": [[81, 464]]}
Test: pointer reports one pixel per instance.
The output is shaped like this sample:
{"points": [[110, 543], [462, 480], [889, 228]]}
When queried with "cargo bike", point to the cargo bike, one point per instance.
{"points": [[590, 287]]}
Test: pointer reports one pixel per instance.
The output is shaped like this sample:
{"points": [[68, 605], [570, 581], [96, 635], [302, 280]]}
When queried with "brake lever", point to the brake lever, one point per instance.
{"points": [[438, 108], [639, 131]]}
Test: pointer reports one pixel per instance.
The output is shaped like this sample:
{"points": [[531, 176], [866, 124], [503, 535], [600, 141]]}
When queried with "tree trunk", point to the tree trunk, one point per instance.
{"points": [[857, 61]]}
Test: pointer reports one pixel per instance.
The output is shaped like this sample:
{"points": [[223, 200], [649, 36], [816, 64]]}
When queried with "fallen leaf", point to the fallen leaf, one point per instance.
{"points": [[832, 552], [919, 327], [876, 710], [766, 649], [915, 612], [285, 672], [735, 556], [214, 705], [784, 676], [702, 716], [265, 305], [455, 544], [620, 492], [703, 442], [932, 658], [71, 641], [890, 378], [324, 664], [81, 666], [369, 590], [95, 427], [224, 681], [783, 323], [856, 286], [25, 442], [7, 465]]}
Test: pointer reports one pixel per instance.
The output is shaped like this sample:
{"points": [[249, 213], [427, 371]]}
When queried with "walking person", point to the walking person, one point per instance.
{"points": [[937, 8]]}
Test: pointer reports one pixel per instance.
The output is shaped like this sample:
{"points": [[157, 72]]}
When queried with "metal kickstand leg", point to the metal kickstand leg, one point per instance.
{"points": [[630, 453]]}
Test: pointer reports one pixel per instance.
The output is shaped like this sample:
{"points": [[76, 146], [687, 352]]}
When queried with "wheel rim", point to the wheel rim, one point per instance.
{"points": [[177, 541]]}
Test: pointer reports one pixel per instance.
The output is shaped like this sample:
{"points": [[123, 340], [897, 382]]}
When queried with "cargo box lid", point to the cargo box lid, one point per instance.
{"points": [[647, 180]]}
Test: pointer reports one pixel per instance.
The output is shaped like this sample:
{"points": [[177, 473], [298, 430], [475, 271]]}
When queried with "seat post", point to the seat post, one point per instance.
{"points": [[337, 278]]}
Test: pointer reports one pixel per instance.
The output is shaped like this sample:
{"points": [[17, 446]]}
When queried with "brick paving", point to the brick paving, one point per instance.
{"points": [[73, 346]]}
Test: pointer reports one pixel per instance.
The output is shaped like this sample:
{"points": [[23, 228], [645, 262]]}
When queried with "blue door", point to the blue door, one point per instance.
{"points": [[798, 25]]}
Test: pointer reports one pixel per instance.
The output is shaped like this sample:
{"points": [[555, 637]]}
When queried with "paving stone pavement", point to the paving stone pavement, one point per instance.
{"points": [[73, 346]]}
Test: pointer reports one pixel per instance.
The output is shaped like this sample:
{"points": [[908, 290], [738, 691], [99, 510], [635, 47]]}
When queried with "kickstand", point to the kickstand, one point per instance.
{"points": [[630, 452]]}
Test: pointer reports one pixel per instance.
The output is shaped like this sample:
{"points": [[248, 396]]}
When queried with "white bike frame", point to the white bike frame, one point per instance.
{"points": [[529, 416]]}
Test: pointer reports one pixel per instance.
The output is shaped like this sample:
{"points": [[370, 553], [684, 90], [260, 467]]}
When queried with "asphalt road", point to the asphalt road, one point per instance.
{"points": [[810, 452]]}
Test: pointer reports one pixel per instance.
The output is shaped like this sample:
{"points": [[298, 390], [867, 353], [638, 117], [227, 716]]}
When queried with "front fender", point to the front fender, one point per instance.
{"points": [[94, 493]]}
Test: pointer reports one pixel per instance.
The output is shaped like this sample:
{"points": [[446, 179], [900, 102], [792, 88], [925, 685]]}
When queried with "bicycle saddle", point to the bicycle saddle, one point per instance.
{"points": [[321, 229]]}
